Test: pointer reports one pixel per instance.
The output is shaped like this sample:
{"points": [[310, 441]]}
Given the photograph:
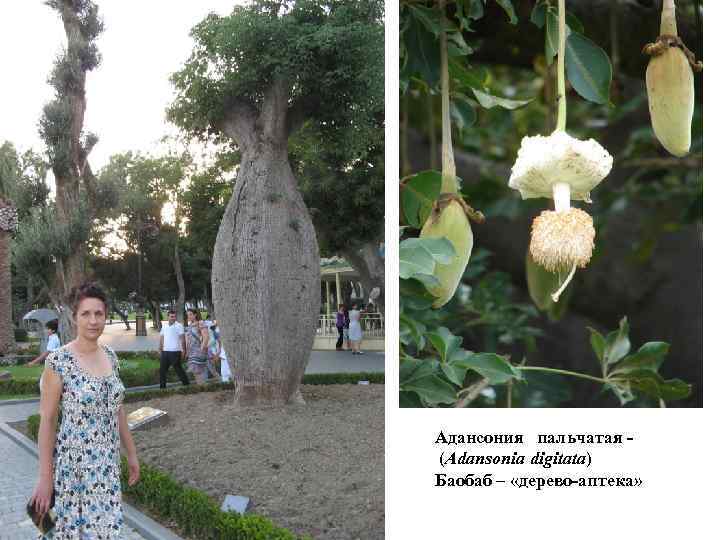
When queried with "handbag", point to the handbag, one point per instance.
{"points": [[44, 522]]}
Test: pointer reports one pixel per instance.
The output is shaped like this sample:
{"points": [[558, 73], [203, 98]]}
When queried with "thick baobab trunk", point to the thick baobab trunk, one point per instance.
{"points": [[7, 336], [266, 280], [367, 261], [266, 263]]}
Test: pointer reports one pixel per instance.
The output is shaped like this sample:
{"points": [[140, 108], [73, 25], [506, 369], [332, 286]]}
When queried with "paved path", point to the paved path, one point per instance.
{"points": [[17, 482]]}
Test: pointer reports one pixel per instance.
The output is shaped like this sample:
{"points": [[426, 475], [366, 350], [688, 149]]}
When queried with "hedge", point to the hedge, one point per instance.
{"points": [[133, 378], [193, 512]]}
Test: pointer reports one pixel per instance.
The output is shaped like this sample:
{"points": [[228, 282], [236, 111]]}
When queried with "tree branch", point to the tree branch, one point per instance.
{"points": [[238, 123]]}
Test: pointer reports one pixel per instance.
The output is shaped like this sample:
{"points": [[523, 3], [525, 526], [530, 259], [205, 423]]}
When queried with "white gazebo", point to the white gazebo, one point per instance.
{"points": [[334, 272]]}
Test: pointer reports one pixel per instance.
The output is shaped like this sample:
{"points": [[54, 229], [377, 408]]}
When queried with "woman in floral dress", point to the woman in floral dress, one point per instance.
{"points": [[81, 461]]}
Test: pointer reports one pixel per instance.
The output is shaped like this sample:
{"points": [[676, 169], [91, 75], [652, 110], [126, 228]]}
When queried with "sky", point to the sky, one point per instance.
{"points": [[143, 43]]}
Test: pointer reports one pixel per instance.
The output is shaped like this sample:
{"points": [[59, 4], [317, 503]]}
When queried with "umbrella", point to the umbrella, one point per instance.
{"points": [[42, 315]]}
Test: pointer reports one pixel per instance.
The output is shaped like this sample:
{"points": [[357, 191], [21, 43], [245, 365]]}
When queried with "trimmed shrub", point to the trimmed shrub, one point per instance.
{"points": [[195, 513], [134, 377]]}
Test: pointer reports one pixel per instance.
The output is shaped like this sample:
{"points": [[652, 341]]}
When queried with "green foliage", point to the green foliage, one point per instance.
{"points": [[328, 50], [629, 375], [342, 186], [195, 513]]}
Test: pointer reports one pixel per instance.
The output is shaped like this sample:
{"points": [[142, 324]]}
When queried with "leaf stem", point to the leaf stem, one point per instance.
{"points": [[562, 102], [563, 372], [449, 183], [509, 394]]}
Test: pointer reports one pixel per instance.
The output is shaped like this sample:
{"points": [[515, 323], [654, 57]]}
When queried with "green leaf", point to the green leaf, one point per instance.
{"points": [[419, 255], [617, 343], [462, 113], [495, 368], [417, 196], [432, 390], [430, 18], [412, 332], [622, 391], [414, 295], [597, 341], [444, 342], [457, 46], [588, 68], [454, 373], [488, 101], [470, 77], [423, 53], [649, 356], [652, 384], [412, 369], [538, 14], [509, 9], [410, 400]]}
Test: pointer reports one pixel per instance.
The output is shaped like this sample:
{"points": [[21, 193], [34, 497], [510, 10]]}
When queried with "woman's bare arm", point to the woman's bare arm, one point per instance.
{"points": [[51, 392], [127, 441]]}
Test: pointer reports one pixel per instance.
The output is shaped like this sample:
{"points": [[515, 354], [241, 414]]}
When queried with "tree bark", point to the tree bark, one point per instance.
{"points": [[7, 336], [180, 306], [122, 315], [266, 262]]}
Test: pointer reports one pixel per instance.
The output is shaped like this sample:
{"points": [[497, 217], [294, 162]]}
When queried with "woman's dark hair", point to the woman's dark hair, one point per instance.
{"points": [[52, 325], [89, 289], [195, 312]]}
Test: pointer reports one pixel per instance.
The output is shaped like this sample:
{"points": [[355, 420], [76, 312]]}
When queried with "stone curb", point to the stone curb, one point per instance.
{"points": [[144, 525]]}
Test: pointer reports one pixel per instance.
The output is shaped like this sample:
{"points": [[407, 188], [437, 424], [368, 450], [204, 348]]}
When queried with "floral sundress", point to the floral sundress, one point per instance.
{"points": [[87, 451]]}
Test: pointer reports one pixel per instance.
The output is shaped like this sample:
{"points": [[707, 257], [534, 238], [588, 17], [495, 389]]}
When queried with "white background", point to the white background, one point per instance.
{"points": [[675, 451]]}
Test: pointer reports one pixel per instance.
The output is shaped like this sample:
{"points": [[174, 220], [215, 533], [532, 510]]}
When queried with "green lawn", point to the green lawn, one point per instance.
{"points": [[25, 372]]}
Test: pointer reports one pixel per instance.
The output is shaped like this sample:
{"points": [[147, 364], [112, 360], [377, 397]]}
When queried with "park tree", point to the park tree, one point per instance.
{"points": [[22, 184], [69, 146], [255, 77], [146, 185], [342, 191]]}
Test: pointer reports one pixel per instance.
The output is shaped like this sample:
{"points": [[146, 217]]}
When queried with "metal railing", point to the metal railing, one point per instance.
{"points": [[372, 324]]}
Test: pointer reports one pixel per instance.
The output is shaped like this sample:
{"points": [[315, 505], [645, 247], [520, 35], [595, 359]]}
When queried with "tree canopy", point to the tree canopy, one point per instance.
{"points": [[326, 50]]}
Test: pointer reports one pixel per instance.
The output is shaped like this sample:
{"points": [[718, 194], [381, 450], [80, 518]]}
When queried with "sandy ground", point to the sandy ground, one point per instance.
{"points": [[316, 469]]}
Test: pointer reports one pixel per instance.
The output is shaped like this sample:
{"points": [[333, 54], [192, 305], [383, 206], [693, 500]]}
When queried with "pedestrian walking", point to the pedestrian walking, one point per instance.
{"points": [[80, 464], [355, 331], [340, 325], [196, 340], [346, 328], [172, 349], [53, 342]]}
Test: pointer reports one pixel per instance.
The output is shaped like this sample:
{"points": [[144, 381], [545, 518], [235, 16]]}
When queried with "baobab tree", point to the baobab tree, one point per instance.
{"points": [[255, 77]]}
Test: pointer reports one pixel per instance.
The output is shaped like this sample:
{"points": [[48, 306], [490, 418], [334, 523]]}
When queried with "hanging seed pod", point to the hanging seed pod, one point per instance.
{"points": [[670, 85], [449, 217], [448, 220]]}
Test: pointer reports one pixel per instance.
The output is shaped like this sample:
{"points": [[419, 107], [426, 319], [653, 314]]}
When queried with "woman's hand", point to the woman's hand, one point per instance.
{"points": [[42, 495], [133, 470]]}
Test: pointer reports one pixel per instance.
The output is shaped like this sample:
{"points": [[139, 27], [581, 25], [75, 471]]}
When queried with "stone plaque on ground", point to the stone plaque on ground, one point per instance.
{"points": [[5, 375], [147, 417], [235, 503]]}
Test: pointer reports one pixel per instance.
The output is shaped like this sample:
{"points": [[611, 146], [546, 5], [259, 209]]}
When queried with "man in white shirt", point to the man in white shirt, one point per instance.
{"points": [[172, 349]]}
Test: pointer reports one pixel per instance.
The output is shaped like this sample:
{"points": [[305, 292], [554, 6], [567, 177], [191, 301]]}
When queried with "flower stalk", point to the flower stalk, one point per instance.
{"points": [[562, 101]]}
